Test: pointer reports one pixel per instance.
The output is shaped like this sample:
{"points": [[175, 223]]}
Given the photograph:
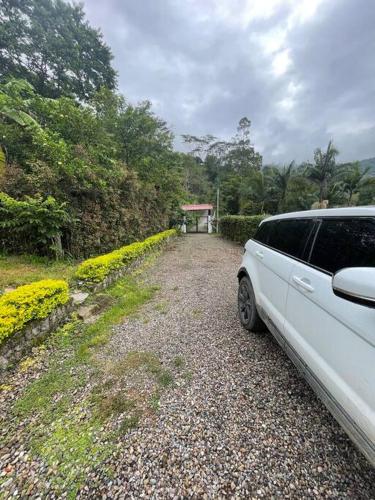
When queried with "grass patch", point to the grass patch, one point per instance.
{"points": [[143, 360], [161, 307], [70, 448], [113, 404], [179, 362], [66, 374], [51, 394], [128, 423], [127, 296], [16, 270], [196, 312], [155, 401]]}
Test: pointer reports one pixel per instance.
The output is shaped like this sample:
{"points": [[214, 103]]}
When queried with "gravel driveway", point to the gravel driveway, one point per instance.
{"points": [[238, 421]]}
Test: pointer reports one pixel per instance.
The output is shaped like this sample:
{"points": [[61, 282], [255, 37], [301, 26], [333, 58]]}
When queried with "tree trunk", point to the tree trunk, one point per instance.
{"points": [[57, 247], [323, 190]]}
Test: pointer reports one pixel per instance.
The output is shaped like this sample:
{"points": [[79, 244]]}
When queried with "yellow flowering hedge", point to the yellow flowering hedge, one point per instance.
{"points": [[96, 269], [29, 302]]}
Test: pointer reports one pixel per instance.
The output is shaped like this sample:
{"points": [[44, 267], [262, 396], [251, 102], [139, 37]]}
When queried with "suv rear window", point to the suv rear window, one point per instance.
{"points": [[290, 235], [286, 235], [348, 242], [263, 232]]}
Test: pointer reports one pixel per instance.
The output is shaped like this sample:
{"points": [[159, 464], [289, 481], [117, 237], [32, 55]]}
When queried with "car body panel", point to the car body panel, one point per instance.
{"points": [[272, 271], [323, 329]]}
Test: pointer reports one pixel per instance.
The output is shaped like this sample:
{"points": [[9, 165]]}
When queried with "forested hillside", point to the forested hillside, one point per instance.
{"points": [[369, 163], [234, 169]]}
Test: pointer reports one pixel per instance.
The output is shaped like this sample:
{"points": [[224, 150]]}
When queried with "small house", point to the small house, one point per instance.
{"points": [[198, 218]]}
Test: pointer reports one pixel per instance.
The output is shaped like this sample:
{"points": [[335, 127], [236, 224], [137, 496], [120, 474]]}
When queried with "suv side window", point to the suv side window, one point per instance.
{"points": [[290, 235], [346, 242], [263, 232]]}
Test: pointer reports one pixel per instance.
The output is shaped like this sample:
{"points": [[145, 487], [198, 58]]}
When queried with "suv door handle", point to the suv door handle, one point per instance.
{"points": [[259, 254], [303, 283]]}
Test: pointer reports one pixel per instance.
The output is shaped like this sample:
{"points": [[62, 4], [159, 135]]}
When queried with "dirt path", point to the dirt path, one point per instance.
{"points": [[238, 420]]}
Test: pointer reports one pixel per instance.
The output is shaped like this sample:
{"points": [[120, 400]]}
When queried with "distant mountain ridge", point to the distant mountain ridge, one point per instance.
{"points": [[369, 162]]}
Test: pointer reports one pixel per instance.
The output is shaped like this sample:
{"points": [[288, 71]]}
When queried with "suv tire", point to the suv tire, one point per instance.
{"points": [[247, 309]]}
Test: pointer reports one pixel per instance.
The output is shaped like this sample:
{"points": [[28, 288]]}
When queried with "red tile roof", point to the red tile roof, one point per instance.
{"points": [[192, 208]]}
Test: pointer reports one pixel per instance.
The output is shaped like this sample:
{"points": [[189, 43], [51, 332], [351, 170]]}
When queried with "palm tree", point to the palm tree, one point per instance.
{"points": [[282, 178], [353, 179], [324, 169], [256, 191]]}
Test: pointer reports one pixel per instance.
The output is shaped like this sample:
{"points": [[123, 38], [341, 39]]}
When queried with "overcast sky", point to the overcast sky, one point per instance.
{"points": [[303, 71]]}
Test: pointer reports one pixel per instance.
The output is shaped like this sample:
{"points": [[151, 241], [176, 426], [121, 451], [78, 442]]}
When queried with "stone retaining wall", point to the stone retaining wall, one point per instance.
{"points": [[18, 345]]}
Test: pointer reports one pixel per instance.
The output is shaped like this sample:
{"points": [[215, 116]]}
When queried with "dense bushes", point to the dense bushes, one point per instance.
{"points": [[240, 228], [96, 269], [33, 224], [30, 302], [109, 164]]}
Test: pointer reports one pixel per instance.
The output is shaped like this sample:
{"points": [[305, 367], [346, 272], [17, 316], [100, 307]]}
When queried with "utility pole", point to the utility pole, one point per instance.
{"points": [[217, 208]]}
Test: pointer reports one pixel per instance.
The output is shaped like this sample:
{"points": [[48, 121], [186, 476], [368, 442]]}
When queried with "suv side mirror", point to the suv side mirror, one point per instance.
{"points": [[356, 284]]}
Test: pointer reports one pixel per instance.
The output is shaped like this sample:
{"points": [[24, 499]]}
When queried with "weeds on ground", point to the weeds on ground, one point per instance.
{"points": [[197, 313], [161, 307], [179, 362], [65, 426]]}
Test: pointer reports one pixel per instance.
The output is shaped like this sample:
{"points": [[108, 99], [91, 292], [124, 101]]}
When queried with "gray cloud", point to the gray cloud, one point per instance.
{"points": [[303, 72]]}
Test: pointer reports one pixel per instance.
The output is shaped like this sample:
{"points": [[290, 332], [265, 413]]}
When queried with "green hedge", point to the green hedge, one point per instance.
{"points": [[97, 269], [240, 228], [29, 302]]}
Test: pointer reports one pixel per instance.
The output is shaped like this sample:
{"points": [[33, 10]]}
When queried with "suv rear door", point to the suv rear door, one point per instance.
{"points": [[335, 337], [285, 240]]}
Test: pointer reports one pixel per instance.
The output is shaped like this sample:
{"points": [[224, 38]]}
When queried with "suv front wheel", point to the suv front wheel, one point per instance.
{"points": [[247, 310]]}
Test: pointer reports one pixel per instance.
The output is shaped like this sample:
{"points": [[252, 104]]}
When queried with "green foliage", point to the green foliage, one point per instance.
{"points": [[225, 164], [324, 169], [74, 445], [2, 162], [30, 302], [50, 44], [300, 195], [128, 297], [248, 188], [110, 162], [354, 177], [33, 225], [240, 228], [96, 269], [366, 192]]}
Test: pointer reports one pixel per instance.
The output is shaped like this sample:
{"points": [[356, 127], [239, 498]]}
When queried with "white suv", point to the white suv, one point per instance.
{"points": [[310, 278]]}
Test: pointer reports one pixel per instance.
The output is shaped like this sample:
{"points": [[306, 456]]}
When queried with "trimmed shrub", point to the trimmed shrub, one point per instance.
{"points": [[240, 228], [30, 302], [97, 268]]}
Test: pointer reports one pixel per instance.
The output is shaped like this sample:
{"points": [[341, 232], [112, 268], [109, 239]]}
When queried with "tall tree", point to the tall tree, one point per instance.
{"points": [[50, 44], [324, 169], [241, 156], [228, 164], [282, 179]]}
